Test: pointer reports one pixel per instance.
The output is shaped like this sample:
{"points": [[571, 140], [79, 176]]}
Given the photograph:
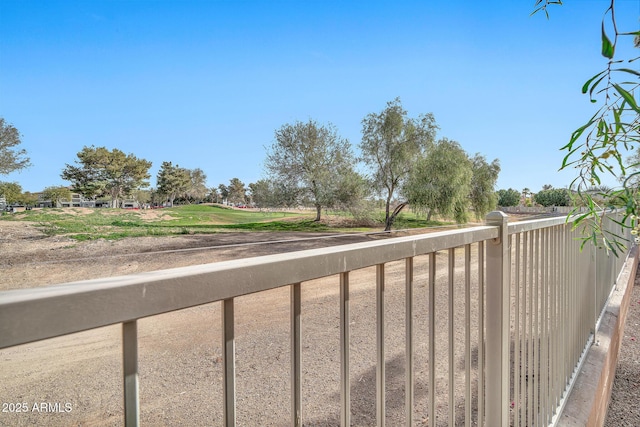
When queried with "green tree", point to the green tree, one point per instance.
{"points": [[598, 147], [11, 158], [508, 197], [28, 198], [56, 194], [310, 161], [142, 196], [99, 171], [483, 182], [172, 181], [223, 191], [391, 145], [440, 182], [237, 191], [351, 190], [262, 193], [197, 189], [12, 192], [553, 197], [156, 198]]}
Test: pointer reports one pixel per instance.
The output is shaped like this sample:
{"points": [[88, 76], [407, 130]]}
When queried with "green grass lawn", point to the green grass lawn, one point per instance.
{"points": [[87, 224]]}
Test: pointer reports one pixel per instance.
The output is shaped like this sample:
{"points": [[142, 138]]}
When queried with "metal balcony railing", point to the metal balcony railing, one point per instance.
{"points": [[531, 304]]}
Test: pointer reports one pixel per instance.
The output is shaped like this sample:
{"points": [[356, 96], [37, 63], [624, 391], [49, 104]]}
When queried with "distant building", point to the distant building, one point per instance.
{"points": [[77, 201]]}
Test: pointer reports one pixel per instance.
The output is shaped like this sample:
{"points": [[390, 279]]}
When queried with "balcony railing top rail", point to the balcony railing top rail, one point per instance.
{"points": [[28, 315]]}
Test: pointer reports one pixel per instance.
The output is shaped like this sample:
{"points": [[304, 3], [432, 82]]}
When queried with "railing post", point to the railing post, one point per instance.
{"points": [[345, 343], [130, 372], [380, 360], [296, 355], [497, 332], [229, 358]]}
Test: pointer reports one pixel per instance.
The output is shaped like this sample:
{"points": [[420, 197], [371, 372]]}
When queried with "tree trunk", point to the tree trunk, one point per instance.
{"points": [[429, 215], [391, 218], [318, 212], [387, 224]]}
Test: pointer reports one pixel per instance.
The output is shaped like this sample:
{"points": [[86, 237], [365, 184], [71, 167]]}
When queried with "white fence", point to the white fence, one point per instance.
{"points": [[529, 306]]}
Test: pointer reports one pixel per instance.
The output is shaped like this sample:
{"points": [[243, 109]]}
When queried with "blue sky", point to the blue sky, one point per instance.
{"points": [[205, 84]]}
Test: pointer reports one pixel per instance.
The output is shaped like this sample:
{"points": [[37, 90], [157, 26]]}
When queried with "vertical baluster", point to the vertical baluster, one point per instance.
{"points": [[345, 329], [536, 330], [516, 362], [524, 361], [452, 407], [229, 358], [130, 373], [467, 335], [409, 341], [554, 318], [480, 333], [380, 332], [296, 355], [432, 339], [544, 355]]}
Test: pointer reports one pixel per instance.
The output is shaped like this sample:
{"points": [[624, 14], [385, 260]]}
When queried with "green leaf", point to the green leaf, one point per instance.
{"points": [[586, 85], [628, 70], [627, 97], [593, 88], [607, 47], [576, 134], [616, 115]]}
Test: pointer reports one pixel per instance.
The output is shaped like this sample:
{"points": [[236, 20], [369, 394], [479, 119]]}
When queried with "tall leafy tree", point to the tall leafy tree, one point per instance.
{"points": [[262, 193], [553, 197], [172, 181], [508, 197], [237, 191], [11, 158], [11, 191], [267, 193], [310, 161], [197, 189], [440, 182], [391, 145], [99, 171], [28, 198], [223, 191], [483, 182]]}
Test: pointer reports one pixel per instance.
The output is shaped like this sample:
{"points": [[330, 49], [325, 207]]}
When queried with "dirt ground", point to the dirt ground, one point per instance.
{"points": [[180, 352], [76, 379], [624, 408]]}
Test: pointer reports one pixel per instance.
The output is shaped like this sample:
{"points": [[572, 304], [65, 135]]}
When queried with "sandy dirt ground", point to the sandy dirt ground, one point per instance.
{"points": [[624, 408], [79, 376], [77, 379]]}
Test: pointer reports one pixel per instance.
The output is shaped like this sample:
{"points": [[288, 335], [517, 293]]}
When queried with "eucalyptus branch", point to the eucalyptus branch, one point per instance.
{"points": [[598, 147]]}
